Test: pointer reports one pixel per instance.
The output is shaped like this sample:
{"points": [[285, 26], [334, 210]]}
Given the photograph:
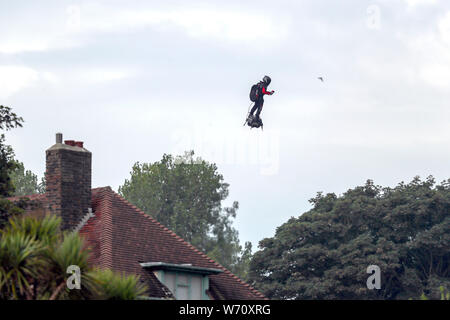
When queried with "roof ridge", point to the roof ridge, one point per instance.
{"points": [[84, 220], [99, 189], [178, 238], [105, 193], [33, 196]]}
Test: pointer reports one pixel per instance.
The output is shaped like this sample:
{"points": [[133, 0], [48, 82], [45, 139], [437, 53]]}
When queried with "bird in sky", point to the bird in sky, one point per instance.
{"points": [[320, 78]]}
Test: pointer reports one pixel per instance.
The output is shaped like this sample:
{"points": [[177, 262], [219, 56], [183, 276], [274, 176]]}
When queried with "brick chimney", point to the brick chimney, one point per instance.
{"points": [[68, 180]]}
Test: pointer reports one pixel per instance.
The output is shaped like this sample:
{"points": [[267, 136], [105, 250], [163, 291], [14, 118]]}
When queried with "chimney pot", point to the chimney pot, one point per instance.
{"points": [[59, 137], [79, 144], [70, 142]]}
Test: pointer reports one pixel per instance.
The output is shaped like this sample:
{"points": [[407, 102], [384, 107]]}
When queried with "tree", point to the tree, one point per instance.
{"points": [[9, 209], [8, 120], [185, 194], [243, 265], [324, 253], [35, 256], [25, 182], [7, 165]]}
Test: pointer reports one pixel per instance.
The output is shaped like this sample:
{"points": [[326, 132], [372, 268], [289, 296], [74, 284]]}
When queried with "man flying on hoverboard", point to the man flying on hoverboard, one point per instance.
{"points": [[257, 93]]}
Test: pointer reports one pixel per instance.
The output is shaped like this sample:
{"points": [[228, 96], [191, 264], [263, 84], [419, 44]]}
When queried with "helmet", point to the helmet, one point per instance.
{"points": [[267, 80]]}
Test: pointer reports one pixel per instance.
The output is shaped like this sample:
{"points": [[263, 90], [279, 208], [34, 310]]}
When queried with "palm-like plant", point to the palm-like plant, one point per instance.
{"points": [[45, 230], [116, 286], [19, 262], [70, 251], [35, 256]]}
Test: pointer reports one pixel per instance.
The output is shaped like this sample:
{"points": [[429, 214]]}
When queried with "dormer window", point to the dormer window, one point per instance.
{"points": [[186, 282]]}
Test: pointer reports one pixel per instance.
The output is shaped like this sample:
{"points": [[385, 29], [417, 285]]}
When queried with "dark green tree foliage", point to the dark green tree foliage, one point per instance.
{"points": [[242, 267], [8, 120], [7, 165], [25, 182], [324, 253], [9, 209], [186, 194]]}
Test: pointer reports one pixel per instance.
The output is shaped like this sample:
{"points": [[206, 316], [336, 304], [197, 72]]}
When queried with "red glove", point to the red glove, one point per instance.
{"points": [[264, 91]]}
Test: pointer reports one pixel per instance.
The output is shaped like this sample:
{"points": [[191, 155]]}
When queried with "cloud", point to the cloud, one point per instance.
{"points": [[228, 25], [444, 28], [101, 75], [415, 3], [430, 53], [75, 25], [436, 75], [37, 42], [218, 23], [21, 45], [15, 78], [45, 29], [18, 41]]}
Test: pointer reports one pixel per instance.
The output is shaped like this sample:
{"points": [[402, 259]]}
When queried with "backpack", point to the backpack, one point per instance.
{"points": [[254, 92]]}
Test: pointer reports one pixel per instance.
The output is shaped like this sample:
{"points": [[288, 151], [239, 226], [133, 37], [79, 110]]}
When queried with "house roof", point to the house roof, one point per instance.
{"points": [[121, 237]]}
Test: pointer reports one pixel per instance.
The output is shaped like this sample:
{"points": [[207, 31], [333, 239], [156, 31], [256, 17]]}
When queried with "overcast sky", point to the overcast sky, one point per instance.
{"points": [[137, 79]]}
